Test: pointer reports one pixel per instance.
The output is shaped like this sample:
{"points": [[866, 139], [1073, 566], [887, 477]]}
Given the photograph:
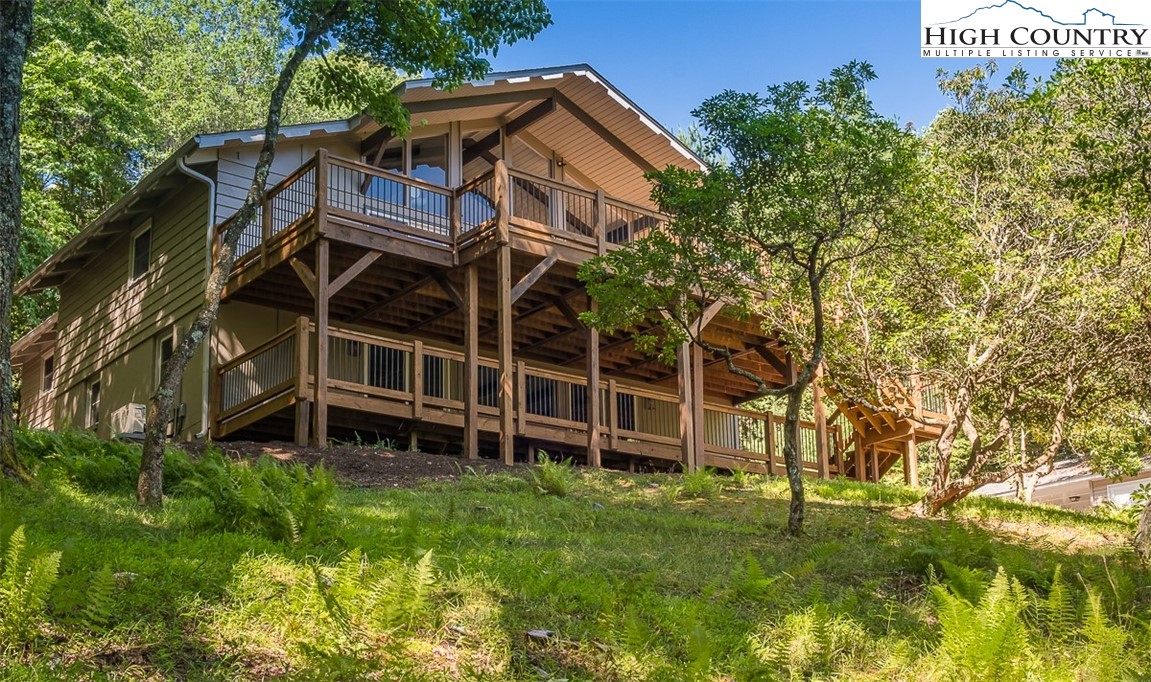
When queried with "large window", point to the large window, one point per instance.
{"points": [[141, 255]]}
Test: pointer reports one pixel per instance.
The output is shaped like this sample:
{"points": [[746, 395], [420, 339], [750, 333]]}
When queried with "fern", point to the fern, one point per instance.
{"points": [[1057, 610], [553, 478], [988, 640], [100, 599], [754, 583], [25, 585], [1106, 656]]}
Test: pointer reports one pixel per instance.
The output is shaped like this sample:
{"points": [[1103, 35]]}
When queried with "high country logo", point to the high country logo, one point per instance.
{"points": [[1035, 28]]}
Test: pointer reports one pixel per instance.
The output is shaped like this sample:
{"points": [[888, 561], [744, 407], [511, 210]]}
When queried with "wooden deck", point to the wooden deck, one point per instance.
{"points": [[454, 313]]}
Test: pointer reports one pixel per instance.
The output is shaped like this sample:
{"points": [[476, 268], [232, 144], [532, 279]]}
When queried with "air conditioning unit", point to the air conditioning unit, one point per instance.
{"points": [[129, 419]]}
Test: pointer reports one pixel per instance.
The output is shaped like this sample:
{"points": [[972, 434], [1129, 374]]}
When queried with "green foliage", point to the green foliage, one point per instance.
{"points": [[699, 484], [632, 585], [553, 478], [100, 599], [987, 639], [26, 582], [283, 503], [92, 463]]}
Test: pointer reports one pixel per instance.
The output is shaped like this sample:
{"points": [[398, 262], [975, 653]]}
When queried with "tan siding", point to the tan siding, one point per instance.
{"points": [[109, 325], [237, 164], [35, 403]]}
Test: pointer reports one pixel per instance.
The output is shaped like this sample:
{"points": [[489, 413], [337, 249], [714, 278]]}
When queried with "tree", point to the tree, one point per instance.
{"points": [[16, 28], [1105, 105], [814, 180], [448, 37], [1019, 310], [84, 123]]}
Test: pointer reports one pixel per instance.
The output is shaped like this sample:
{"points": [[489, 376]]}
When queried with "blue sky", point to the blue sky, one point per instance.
{"points": [[670, 56]]}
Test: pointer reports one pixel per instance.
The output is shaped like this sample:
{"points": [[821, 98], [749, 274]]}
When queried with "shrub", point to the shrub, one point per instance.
{"points": [[94, 464], [280, 502], [25, 584], [554, 478], [699, 484]]}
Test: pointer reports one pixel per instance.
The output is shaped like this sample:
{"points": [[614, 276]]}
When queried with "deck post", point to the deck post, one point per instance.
{"points": [[321, 210], [699, 423], [506, 395], [911, 462], [820, 418], [471, 361], [686, 432], [418, 380], [592, 393], [875, 463], [600, 222], [613, 414], [769, 437], [504, 313], [860, 465], [320, 401], [521, 398]]}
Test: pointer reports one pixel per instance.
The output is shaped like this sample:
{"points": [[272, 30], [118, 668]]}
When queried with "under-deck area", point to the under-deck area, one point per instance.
{"points": [[449, 318]]}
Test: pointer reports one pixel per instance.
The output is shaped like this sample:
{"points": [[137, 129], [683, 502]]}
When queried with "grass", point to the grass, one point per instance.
{"points": [[629, 578]]}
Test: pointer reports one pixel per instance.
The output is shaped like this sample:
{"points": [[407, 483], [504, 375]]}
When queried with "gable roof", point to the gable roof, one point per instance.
{"points": [[595, 128]]}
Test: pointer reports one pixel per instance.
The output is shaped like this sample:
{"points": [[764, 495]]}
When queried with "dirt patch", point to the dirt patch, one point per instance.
{"points": [[368, 466]]}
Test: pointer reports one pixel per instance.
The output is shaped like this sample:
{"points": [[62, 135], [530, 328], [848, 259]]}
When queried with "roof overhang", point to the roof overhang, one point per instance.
{"points": [[35, 343]]}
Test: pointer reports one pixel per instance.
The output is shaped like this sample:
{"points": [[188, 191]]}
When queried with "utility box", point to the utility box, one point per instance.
{"points": [[129, 419]]}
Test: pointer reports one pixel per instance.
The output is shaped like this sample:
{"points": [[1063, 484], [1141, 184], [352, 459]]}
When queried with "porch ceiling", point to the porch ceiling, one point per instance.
{"points": [[406, 298]]}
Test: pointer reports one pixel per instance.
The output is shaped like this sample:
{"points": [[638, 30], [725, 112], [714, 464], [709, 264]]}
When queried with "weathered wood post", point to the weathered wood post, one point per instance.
{"points": [[504, 287], [699, 426], [820, 418], [592, 394], [686, 411], [320, 401], [471, 361]]}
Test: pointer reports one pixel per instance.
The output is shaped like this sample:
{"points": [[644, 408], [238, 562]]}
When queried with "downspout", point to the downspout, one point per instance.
{"points": [[207, 369]]}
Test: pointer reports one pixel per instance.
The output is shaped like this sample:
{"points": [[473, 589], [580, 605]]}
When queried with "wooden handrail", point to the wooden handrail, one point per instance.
{"points": [[552, 184], [386, 175], [475, 182], [248, 355]]}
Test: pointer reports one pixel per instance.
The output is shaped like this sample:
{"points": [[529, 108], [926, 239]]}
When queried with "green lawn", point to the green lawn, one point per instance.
{"points": [[634, 577]]}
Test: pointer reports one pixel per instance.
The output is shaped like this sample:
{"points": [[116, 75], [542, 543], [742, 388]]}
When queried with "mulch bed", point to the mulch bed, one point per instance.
{"points": [[367, 466]]}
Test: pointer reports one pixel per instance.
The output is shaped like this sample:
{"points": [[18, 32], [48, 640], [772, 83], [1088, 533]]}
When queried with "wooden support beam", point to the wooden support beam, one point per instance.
{"points": [[306, 275], [511, 128], [699, 431], [479, 100], [386, 301], [471, 361], [911, 462], [874, 464], [772, 359], [529, 280], [822, 457], [593, 399], [320, 399], [571, 315], [603, 133], [506, 392], [373, 144], [686, 411], [365, 261], [448, 288], [302, 418]]}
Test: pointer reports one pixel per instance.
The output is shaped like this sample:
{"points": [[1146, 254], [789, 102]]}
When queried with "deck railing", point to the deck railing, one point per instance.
{"points": [[424, 381], [342, 189]]}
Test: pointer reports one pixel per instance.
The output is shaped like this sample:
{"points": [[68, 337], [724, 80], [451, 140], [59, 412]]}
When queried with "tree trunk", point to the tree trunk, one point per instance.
{"points": [[15, 32], [937, 495], [1143, 535], [792, 460], [150, 486]]}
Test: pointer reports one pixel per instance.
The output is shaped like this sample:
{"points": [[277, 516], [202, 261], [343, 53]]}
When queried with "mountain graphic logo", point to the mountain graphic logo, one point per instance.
{"points": [[1092, 15]]}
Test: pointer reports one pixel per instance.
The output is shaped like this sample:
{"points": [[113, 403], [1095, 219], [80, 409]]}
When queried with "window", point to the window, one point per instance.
{"points": [[49, 374], [164, 349], [141, 251], [93, 404]]}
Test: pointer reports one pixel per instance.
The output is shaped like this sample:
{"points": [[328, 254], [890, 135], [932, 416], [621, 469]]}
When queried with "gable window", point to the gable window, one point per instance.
{"points": [[141, 256], [49, 374], [93, 404]]}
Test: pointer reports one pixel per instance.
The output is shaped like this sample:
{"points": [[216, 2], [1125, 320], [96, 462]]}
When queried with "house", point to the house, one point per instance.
{"points": [[421, 289], [1073, 485]]}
